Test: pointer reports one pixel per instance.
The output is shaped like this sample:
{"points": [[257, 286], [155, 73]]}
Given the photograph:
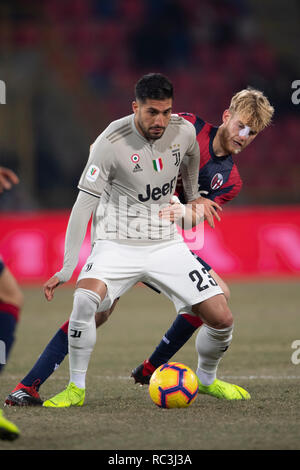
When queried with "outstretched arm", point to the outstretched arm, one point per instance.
{"points": [[76, 230]]}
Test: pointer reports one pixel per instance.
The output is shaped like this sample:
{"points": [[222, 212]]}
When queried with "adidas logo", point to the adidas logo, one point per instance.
{"points": [[137, 168]]}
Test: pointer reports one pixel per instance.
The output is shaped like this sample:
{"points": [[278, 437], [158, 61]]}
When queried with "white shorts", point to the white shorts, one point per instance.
{"points": [[168, 265]]}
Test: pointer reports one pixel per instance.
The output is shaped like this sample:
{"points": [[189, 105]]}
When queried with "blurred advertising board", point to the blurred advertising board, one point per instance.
{"points": [[248, 242]]}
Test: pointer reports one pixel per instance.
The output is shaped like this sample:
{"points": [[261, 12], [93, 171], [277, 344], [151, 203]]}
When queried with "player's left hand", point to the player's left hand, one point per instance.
{"points": [[210, 209], [7, 178]]}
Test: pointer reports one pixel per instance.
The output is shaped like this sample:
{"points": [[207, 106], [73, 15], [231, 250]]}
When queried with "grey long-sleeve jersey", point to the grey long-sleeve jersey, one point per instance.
{"points": [[126, 181]]}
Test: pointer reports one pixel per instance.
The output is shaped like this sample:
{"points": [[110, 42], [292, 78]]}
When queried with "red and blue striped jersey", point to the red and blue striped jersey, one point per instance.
{"points": [[219, 178]]}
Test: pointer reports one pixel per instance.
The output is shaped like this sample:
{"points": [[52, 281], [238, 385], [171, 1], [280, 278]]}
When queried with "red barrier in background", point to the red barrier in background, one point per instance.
{"points": [[248, 242]]}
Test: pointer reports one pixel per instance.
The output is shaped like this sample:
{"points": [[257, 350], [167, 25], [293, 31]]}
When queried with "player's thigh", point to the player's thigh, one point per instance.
{"points": [[10, 291], [111, 269], [177, 273], [214, 312]]}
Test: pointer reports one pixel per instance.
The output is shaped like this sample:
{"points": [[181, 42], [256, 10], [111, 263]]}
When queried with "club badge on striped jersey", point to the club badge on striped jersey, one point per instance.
{"points": [[176, 153], [216, 181], [158, 164]]}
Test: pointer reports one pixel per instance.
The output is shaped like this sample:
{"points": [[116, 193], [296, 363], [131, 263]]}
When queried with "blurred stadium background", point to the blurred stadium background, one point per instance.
{"points": [[70, 67]]}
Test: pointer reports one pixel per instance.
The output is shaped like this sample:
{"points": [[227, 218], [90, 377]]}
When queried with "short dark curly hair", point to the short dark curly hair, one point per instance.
{"points": [[153, 86]]}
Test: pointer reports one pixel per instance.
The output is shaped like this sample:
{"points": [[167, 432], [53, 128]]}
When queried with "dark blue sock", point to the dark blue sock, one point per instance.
{"points": [[177, 335], [49, 360], [8, 324]]}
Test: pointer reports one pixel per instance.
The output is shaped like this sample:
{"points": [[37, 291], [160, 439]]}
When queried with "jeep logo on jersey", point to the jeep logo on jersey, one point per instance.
{"points": [[157, 192], [92, 173], [216, 181]]}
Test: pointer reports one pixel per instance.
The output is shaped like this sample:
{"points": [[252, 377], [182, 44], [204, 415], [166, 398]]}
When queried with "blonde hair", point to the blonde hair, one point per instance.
{"points": [[253, 106]]}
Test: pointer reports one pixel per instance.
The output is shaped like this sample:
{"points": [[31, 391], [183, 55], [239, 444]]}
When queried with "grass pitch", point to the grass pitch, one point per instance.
{"points": [[120, 415]]}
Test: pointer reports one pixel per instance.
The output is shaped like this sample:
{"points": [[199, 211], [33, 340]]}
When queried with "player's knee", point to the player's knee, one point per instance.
{"points": [[85, 305], [222, 316], [215, 312], [223, 320]]}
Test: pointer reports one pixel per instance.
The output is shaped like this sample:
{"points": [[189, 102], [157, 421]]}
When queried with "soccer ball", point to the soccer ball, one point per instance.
{"points": [[173, 385]]}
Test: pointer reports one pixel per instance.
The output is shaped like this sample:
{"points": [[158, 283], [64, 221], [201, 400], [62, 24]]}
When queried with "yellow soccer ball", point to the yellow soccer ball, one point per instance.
{"points": [[173, 385]]}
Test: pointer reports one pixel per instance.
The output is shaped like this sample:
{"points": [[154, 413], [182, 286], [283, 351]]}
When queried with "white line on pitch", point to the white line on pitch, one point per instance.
{"points": [[231, 377], [258, 377], [223, 377]]}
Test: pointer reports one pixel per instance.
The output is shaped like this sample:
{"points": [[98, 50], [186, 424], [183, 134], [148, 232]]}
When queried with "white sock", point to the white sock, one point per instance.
{"points": [[78, 379], [205, 378], [80, 350], [82, 334], [211, 345]]}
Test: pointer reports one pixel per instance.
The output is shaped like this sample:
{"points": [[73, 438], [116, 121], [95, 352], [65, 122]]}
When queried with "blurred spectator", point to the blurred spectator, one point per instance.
{"points": [[163, 39]]}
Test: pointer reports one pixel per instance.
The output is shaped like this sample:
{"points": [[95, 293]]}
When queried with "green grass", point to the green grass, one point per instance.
{"points": [[120, 415]]}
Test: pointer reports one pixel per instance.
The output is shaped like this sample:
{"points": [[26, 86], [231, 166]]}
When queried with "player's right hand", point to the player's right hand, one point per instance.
{"points": [[50, 286], [174, 211]]}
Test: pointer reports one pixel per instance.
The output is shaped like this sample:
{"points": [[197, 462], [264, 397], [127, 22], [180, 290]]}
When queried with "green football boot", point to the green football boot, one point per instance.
{"points": [[71, 396], [8, 430], [225, 390]]}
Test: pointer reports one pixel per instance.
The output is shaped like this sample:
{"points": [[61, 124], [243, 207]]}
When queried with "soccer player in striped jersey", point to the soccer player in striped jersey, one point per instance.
{"points": [[219, 182]]}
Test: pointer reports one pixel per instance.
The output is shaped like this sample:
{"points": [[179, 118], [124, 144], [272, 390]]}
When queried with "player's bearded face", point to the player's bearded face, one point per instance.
{"points": [[152, 117], [236, 135]]}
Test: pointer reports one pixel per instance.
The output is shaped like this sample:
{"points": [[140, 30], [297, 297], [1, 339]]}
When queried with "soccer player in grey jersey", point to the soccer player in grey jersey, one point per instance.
{"points": [[130, 168]]}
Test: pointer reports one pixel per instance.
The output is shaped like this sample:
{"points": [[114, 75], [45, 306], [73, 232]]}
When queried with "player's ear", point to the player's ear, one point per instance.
{"points": [[135, 106], [226, 116]]}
